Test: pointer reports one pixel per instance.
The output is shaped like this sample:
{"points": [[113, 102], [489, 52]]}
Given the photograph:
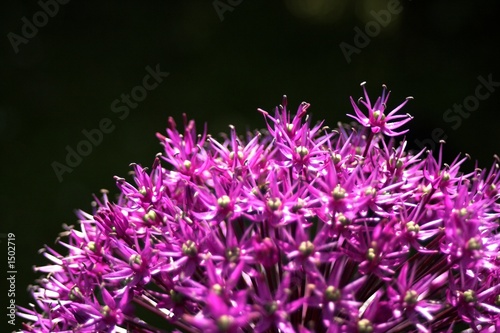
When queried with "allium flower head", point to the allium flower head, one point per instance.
{"points": [[293, 228]]}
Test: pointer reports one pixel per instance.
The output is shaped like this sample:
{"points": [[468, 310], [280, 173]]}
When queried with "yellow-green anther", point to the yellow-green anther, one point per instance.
{"points": [[306, 248], [263, 188], [399, 164], [371, 255], [224, 201], [339, 193], [412, 227], [75, 294], [105, 310], [135, 259], [143, 190], [337, 158], [189, 248], [231, 155], [473, 244], [175, 296], [187, 164], [302, 151], [299, 205], [379, 115], [497, 300], [217, 288], [425, 189], [225, 322], [343, 220], [271, 307], [469, 296], [446, 176], [91, 246], [124, 282], [149, 216], [365, 326], [411, 297], [463, 212], [233, 254], [289, 127], [274, 204], [332, 294], [188, 219], [370, 191]]}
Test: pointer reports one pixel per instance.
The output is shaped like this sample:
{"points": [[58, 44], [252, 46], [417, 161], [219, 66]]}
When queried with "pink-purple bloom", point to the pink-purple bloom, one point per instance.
{"points": [[293, 228], [377, 120]]}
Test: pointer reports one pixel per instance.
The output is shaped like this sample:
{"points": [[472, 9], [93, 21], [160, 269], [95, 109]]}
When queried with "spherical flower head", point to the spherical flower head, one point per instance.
{"points": [[294, 228], [377, 120]]}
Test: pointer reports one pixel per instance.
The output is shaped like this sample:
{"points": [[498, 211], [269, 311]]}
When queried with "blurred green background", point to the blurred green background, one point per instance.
{"points": [[224, 59]]}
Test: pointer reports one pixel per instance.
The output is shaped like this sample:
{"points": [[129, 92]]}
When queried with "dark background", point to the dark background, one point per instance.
{"points": [[64, 79]]}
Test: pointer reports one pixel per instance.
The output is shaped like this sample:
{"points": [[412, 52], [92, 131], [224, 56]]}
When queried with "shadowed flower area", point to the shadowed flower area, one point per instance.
{"points": [[293, 228]]}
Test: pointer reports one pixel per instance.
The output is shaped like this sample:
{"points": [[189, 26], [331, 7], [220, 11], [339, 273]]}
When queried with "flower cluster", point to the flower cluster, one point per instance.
{"points": [[294, 228]]}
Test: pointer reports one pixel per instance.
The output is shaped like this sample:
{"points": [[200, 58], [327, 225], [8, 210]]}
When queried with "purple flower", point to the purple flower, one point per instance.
{"points": [[377, 120], [408, 298], [294, 228]]}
